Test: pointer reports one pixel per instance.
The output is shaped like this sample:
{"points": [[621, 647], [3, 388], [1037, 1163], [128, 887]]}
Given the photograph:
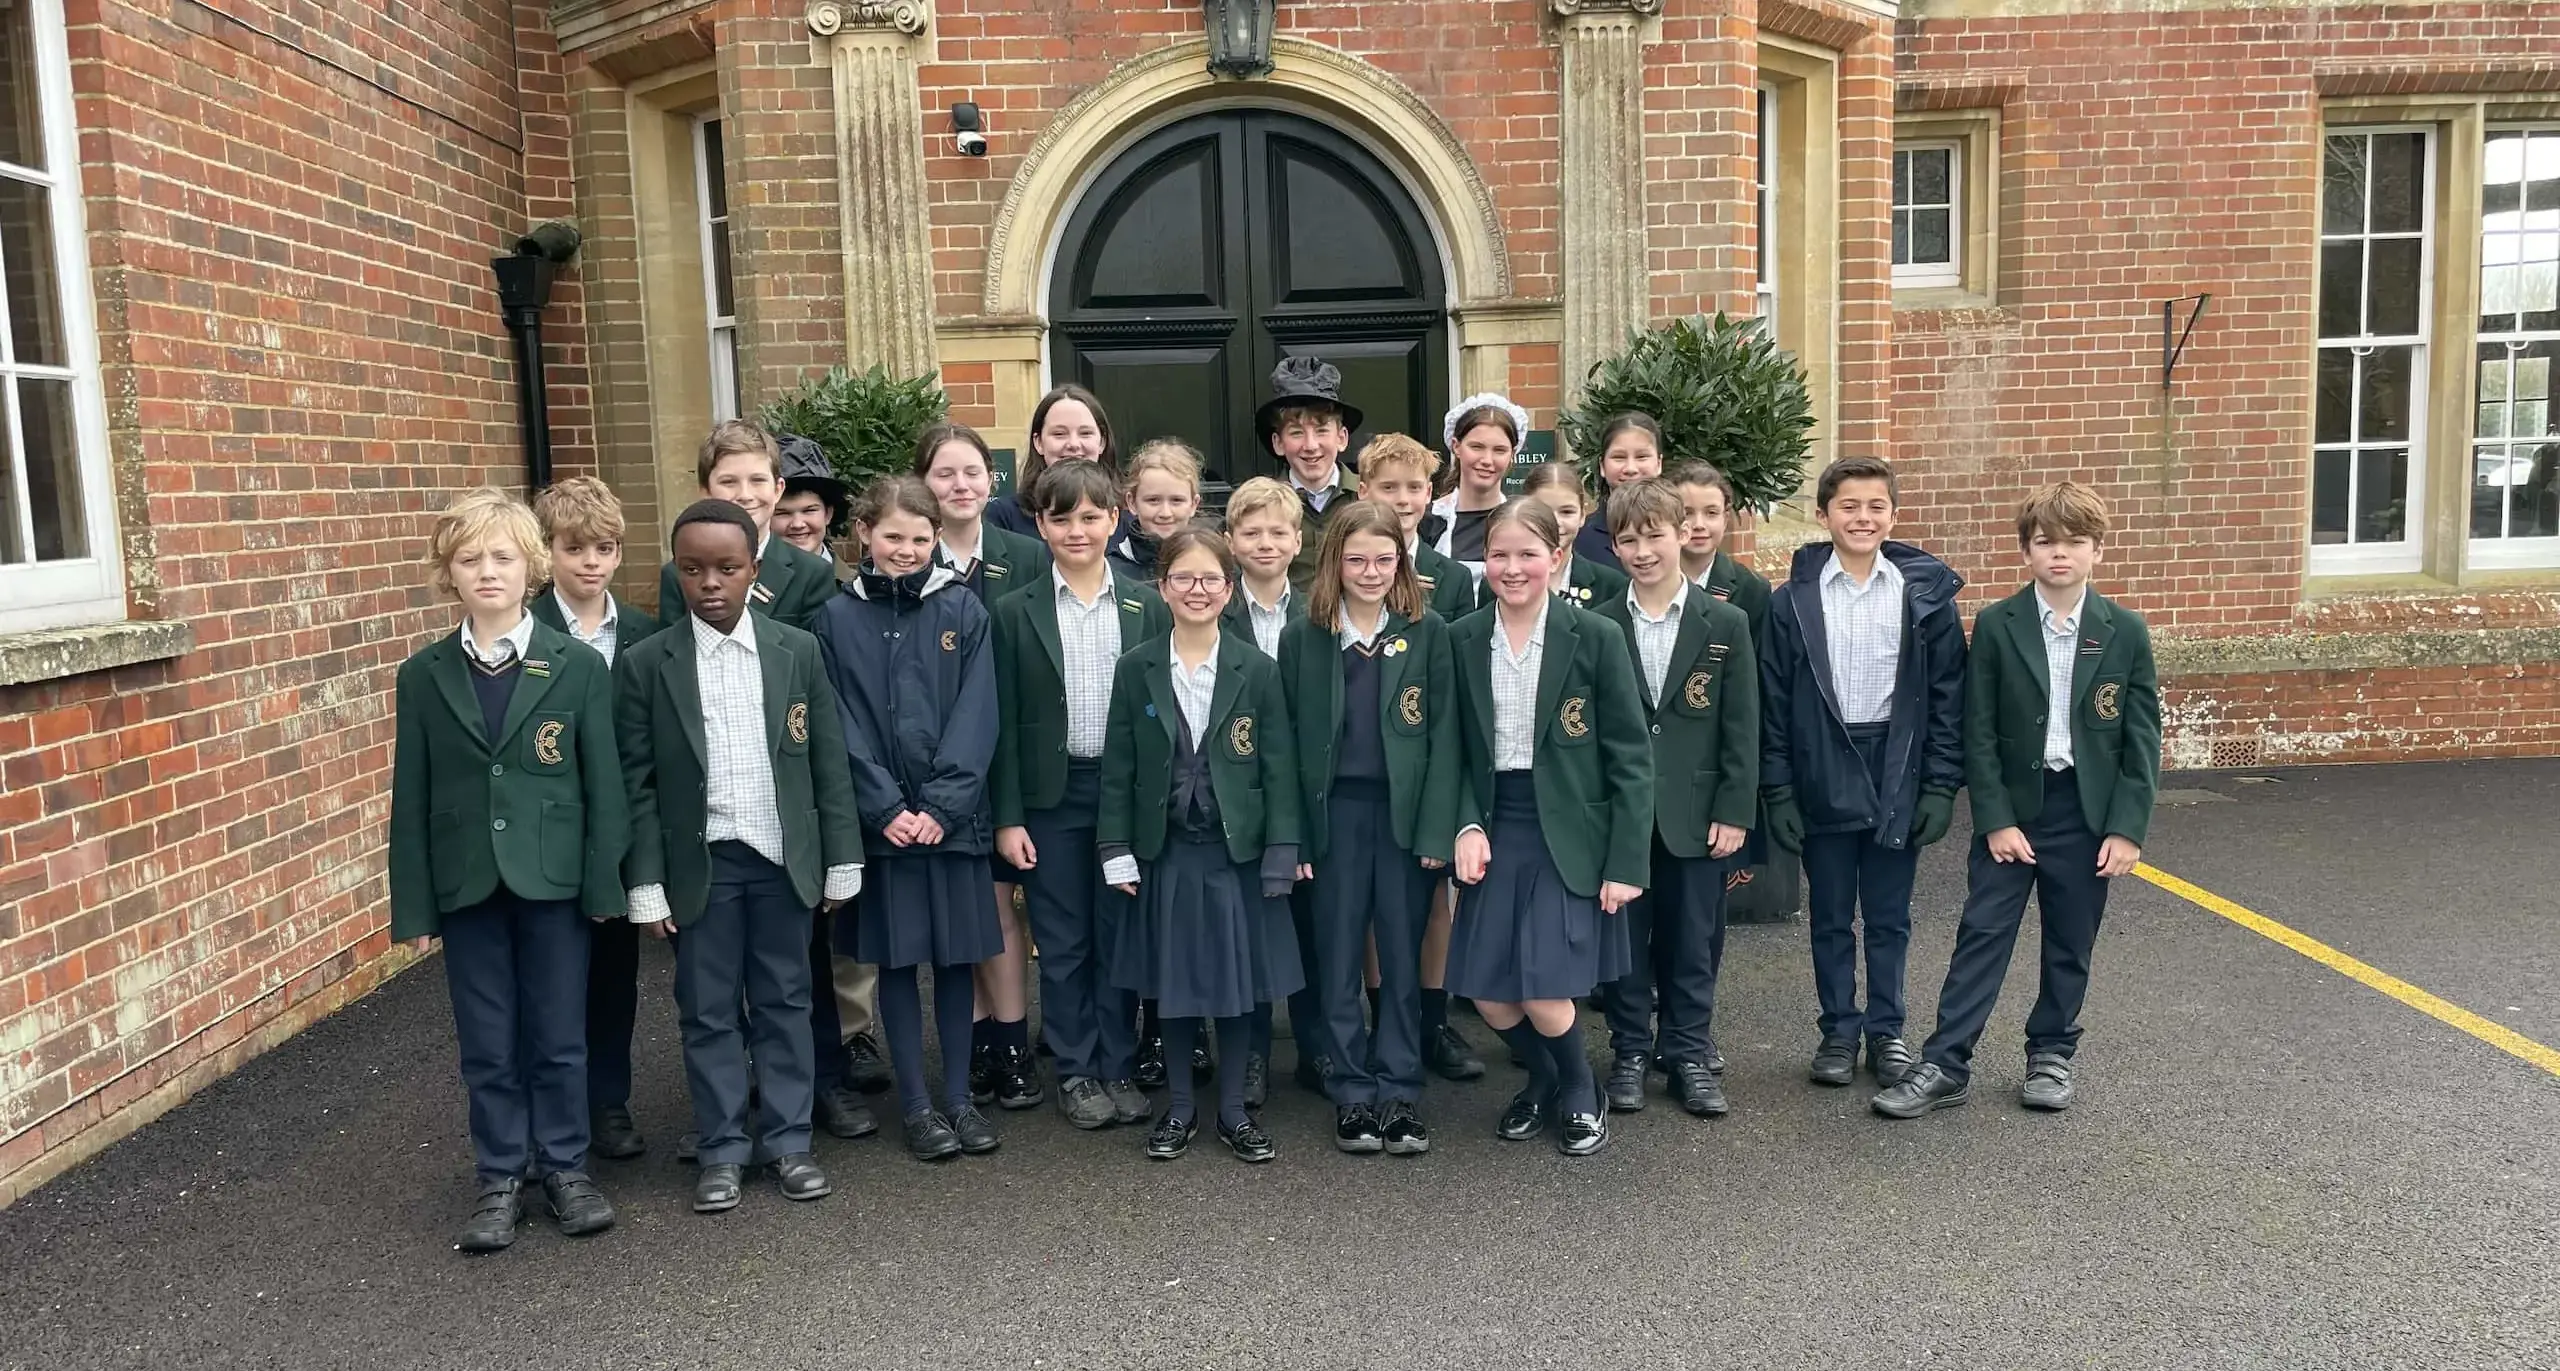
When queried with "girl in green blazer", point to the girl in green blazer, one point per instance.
{"points": [[508, 823], [992, 562], [1199, 821], [1372, 696], [1555, 819], [1585, 581]]}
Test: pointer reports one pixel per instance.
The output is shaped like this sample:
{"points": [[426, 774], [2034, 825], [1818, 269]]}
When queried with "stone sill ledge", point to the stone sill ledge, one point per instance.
{"points": [[51, 654], [2268, 654]]}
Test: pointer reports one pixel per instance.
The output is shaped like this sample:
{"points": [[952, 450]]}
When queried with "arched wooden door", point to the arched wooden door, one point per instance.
{"points": [[1223, 243]]}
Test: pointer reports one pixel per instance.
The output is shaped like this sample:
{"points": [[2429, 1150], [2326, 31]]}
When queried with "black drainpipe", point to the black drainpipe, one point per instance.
{"points": [[524, 286]]}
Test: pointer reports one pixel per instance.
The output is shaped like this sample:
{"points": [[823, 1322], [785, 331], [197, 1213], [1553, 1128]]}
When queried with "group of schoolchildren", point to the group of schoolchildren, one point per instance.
{"points": [[1363, 751]]}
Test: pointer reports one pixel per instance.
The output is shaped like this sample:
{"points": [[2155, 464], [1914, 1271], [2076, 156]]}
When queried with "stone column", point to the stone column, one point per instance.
{"points": [[1602, 174], [873, 47]]}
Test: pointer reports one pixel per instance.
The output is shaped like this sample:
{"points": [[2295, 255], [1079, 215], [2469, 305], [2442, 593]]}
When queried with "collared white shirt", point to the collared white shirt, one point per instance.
{"points": [[1351, 635], [1655, 638], [1193, 689], [1319, 496], [963, 564], [738, 801], [1515, 695], [519, 639], [1267, 623], [1088, 646], [1864, 630], [2061, 644], [605, 639]]}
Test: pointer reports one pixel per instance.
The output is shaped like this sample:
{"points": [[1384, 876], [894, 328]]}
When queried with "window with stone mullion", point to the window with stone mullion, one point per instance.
{"points": [[2369, 402], [2515, 427]]}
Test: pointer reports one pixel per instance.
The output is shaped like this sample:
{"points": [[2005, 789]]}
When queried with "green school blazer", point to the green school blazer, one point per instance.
{"points": [[1590, 585], [1013, 561], [2115, 717], [658, 713], [1594, 758], [1706, 730], [539, 808], [1253, 764], [791, 586], [1448, 588], [1744, 589], [1418, 708], [1302, 568], [1030, 768], [630, 625]]}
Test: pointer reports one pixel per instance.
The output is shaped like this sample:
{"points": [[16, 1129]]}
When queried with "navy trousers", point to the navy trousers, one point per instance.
{"points": [[1677, 932], [826, 1018], [1850, 879], [1091, 1027], [1366, 886], [517, 970], [2071, 899], [613, 1003], [753, 937]]}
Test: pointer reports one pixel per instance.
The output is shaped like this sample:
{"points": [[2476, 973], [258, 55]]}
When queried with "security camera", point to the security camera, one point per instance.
{"points": [[968, 129]]}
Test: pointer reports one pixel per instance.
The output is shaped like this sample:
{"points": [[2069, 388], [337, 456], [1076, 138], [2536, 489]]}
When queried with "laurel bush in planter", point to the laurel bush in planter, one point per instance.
{"points": [[867, 424], [1724, 392]]}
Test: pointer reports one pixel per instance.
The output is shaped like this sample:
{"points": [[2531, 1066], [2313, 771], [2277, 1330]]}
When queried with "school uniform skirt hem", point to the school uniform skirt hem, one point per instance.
{"points": [[1202, 940], [924, 909], [1519, 934]]}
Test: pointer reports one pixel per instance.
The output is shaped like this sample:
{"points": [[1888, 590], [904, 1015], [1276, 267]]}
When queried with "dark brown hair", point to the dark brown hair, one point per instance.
{"points": [[1697, 473], [898, 494], [1063, 487], [934, 438], [1027, 471], [1855, 469], [1639, 505], [2062, 511], [1198, 539]]}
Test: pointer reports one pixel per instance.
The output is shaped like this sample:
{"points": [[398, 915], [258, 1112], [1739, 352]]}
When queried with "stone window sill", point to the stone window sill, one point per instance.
{"points": [[52, 654]]}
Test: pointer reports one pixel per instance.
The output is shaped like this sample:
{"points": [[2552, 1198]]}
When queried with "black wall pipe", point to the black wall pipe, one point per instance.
{"points": [[524, 287]]}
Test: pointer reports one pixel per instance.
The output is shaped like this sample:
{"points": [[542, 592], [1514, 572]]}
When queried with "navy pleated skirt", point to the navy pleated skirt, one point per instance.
{"points": [[923, 909], [1519, 934], [1203, 942]]}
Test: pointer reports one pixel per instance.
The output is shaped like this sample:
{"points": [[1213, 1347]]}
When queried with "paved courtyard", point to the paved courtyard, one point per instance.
{"points": [[2272, 1165]]}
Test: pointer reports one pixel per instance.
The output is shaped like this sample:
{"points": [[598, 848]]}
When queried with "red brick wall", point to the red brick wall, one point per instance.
{"points": [[2146, 156], [2406, 715], [303, 360]]}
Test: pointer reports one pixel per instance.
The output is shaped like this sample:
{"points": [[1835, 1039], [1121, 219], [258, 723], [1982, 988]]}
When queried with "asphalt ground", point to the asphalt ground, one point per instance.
{"points": [[2270, 1166]]}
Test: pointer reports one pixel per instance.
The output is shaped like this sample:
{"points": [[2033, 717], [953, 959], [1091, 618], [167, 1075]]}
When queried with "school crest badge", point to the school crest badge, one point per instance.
{"points": [[1240, 736], [1570, 716], [950, 640], [1409, 706], [546, 741], [2108, 701], [1695, 693], [796, 721]]}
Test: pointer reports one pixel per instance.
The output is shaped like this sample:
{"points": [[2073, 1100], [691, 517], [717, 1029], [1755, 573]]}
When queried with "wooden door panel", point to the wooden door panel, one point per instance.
{"points": [[1170, 391]]}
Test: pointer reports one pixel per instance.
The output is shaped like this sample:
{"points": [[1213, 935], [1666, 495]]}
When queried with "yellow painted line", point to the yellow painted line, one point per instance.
{"points": [[2496, 1035]]}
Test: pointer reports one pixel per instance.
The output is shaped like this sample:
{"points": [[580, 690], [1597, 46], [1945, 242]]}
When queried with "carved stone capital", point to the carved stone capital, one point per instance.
{"points": [[1567, 9], [828, 18]]}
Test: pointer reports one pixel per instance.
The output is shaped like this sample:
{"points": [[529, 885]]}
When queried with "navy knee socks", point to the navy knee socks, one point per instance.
{"points": [[1177, 1068], [902, 1023], [1435, 1016], [955, 1005], [1577, 1092], [1531, 1048], [1235, 1037]]}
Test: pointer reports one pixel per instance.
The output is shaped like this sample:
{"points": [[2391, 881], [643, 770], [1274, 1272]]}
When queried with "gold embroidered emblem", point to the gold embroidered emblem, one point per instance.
{"points": [[1409, 706], [950, 640], [1240, 736], [1696, 691], [546, 741], [2106, 702], [1571, 717], [796, 719]]}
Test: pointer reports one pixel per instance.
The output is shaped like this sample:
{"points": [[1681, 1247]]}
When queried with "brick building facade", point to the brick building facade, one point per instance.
{"points": [[1965, 217]]}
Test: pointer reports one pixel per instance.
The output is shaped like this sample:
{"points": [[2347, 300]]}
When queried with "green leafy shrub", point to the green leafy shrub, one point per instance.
{"points": [[1724, 392], [867, 424]]}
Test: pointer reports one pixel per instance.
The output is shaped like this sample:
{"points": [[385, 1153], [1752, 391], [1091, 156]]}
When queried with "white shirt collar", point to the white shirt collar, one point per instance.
{"points": [[1349, 635], [1258, 607], [1332, 481], [569, 616], [2066, 623], [1058, 580], [1537, 634], [521, 636], [957, 564], [708, 639], [1832, 570], [1679, 595]]}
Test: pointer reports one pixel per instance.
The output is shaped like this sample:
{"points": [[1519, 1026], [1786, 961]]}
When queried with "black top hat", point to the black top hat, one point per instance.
{"points": [[805, 467], [1303, 383]]}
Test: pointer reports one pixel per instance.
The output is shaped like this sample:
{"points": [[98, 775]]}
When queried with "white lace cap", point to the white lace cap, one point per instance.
{"points": [[1449, 425]]}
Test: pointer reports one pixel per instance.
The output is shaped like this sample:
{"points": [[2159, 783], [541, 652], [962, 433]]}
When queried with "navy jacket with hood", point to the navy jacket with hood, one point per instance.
{"points": [[1804, 744], [914, 671]]}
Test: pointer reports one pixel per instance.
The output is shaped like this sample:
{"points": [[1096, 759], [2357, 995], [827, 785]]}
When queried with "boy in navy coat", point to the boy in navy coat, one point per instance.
{"points": [[1862, 749], [2062, 754]]}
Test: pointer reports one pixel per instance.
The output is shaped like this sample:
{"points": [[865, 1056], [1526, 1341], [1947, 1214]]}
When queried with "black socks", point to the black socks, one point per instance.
{"points": [[1577, 1092], [1435, 1015]]}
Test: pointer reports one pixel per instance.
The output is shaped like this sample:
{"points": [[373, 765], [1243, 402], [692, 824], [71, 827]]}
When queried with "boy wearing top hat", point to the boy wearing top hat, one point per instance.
{"points": [[741, 463], [743, 820], [2062, 756], [1309, 427], [813, 509]]}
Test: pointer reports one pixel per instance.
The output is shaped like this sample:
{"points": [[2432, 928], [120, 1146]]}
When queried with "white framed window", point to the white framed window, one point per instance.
{"points": [[719, 284], [2515, 419], [1928, 214], [1764, 178], [2369, 403], [60, 560]]}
